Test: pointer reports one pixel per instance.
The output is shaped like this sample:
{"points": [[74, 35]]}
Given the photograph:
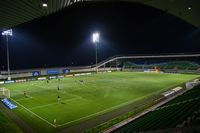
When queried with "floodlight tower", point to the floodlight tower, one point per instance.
{"points": [[95, 39], [7, 33]]}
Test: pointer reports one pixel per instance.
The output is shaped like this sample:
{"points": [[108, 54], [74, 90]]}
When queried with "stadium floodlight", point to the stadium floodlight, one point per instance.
{"points": [[95, 39], [7, 33], [44, 4]]}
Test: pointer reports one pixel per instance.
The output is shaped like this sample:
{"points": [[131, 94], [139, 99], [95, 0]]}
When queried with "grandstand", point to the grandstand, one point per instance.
{"points": [[178, 63], [32, 81], [174, 65], [183, 111], [120, 94]]}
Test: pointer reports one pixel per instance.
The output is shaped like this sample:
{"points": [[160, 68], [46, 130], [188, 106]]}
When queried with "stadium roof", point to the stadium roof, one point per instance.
{"points": [[15, 12]]}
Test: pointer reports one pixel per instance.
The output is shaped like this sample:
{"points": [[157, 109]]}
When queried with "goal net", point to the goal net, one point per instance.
{"points": [[4, 93]]}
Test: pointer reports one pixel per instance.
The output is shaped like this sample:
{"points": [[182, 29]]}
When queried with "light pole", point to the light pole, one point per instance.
{"points": [[7, 33], [95, 39]]}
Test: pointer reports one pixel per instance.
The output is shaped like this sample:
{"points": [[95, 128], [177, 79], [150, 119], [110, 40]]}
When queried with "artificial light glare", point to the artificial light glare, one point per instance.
{"points": [[44, 4], [7, 32], [95, 37]]}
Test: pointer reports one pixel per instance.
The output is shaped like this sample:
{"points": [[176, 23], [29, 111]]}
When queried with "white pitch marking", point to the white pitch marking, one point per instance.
{"points": [[41, 106], [103, 111], [108, 109], [100, 112], [33, 113], [21, 99], [20, 92]]}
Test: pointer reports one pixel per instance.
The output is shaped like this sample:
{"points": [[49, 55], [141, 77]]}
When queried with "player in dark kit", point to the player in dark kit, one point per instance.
{"points": [[58, 87], [25, 93], [58, 98]]}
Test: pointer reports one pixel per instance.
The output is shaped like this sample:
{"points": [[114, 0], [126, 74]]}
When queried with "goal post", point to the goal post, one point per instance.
{"points": [[4, 93]]}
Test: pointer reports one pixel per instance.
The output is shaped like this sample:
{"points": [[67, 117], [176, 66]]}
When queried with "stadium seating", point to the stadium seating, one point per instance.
{"points": [[182, 65], [167, 116], [194, 93]]}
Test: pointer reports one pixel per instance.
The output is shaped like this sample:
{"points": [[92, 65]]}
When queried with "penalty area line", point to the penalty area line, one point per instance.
{"points": [[53, 103], [95, 114], [21, 93], [21, 99], [33, 113], [104, 111]]}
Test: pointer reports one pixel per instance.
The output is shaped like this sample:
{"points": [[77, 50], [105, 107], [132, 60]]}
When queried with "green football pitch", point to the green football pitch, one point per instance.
{"points": [[85, 97]]}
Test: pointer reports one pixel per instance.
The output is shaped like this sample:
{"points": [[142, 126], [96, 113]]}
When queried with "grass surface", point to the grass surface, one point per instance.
{"points": [[96, 95], [7, 126]]}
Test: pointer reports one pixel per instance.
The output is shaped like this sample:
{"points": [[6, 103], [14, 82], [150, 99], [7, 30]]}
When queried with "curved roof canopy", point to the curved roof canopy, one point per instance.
{"points": [[15, 12]]}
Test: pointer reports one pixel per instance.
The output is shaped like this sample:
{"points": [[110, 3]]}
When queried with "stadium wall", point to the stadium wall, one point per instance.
{"points": [[28, 73], [112, 63]]}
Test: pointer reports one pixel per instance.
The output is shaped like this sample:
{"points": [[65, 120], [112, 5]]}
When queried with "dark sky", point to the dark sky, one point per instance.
{"points": [[125, 28]]}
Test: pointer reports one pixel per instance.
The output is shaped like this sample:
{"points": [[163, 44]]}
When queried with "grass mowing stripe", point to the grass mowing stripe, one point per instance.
{"points": [[25, 98], [33, 113], [50, 104], [21, 93], [108, 109], [100, 93]]}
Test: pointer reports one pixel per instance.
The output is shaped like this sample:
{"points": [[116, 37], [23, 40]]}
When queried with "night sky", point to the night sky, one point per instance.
{"points": [[64, 38]]}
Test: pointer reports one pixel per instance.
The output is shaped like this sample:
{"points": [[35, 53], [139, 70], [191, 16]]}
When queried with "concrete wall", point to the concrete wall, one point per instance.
{"points": [[29, 72]]}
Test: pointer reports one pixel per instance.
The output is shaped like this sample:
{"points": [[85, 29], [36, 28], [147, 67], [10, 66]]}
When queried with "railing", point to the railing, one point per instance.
{"points": [[110, 59], [117, 57]]}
